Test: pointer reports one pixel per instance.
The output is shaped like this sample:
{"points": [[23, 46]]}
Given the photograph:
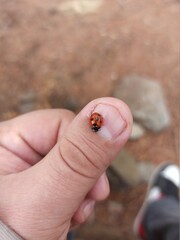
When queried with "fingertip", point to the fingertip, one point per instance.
{"points": [[101, 189]]}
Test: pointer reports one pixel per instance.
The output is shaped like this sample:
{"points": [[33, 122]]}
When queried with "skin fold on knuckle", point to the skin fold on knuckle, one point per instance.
{"points": [[98, 151], [81, 156]]}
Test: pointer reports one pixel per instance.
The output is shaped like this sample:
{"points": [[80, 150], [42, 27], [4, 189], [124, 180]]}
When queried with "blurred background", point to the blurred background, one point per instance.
{"points": [[64, 53]]}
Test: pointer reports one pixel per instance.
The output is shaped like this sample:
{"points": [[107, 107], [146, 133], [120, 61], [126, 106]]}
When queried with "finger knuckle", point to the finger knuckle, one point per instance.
{"points": [[81, 156]]}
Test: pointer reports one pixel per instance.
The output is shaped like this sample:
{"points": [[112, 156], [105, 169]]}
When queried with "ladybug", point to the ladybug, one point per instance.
{"points": [[96, 122]]}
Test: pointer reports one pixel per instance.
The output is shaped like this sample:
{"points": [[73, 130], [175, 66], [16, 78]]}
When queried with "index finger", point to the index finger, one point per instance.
{"points": [[31, 136]]}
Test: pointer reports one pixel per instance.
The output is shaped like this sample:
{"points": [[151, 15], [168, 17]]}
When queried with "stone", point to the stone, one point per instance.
{"points": [[126, 167], [137, 131], [117, 183], [145, 169], [81, 7], [145, 98]]}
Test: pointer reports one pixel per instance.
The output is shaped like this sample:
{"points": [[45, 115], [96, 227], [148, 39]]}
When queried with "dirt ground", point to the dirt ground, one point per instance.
{"points": [[65, 58]]}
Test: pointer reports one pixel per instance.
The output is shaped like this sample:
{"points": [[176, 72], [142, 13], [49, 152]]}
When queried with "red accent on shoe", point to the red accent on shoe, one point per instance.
{"points": [[141, 232]]}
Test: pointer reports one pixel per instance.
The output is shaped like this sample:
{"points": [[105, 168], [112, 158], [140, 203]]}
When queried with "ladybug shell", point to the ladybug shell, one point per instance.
{"points": [[96, 121]]}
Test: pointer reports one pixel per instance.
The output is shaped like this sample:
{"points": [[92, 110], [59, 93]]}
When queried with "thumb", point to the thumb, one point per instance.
{"points": [[59, 183], [82, 155]]}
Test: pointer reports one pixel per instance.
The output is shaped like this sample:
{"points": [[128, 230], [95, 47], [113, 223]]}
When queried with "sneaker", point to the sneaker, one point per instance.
{"points": [[165, 181]]}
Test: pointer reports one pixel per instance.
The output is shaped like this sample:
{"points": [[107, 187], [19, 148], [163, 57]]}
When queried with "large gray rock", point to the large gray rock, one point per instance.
{"points": [[126, 167], [130, 171], [145, 169], [146, 101]]}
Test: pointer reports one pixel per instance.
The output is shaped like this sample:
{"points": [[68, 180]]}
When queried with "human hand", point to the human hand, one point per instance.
{"points": [[52, 166]]}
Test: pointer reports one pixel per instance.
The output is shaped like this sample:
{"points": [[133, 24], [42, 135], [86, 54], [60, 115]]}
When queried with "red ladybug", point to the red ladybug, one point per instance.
{"points": [[96, 121]]}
